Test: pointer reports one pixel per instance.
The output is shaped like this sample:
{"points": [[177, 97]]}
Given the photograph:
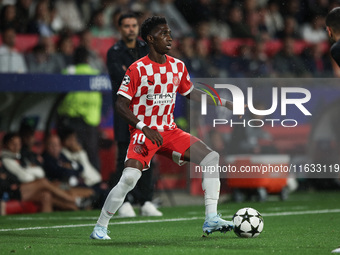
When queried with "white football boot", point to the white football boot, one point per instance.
{"points": [[215, 223], [100, 233]]}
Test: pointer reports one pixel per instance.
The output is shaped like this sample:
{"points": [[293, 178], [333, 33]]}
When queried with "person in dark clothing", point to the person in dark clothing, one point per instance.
{"points": [[119, 57], [333, 29]]}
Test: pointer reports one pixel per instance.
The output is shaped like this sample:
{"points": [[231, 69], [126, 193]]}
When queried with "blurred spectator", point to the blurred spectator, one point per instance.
{"points": [[319, 7], [314, 32], [9, 18], [11, 61], [70, 15], [316, 62], [9, 188], [242, 61], [81, 110], [202, 30], [65, 49], [41, 23], [57, 167], [288, 64], [290, 29], [220, 10], [73, 151], [179, 26], [86, 8], [28, 141], [97, 25], [114, 23], [295, 9], [85, 40], [273, 18], [24, 11], [236, 23], [202, 54], [33, 186], [259, 64], [64, 172], [219, 61], [199, 10], [194, 64], [40, 61]]}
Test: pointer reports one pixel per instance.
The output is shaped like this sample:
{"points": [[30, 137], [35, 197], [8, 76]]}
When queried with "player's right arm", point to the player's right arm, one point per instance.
{"points": [[122, 107]]}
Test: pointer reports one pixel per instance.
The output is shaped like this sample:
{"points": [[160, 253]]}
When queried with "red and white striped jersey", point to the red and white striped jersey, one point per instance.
{"points": [[152, 88]]}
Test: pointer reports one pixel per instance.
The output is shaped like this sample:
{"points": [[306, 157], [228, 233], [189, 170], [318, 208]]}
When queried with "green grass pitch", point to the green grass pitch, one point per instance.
{"points": [[307, 223]]}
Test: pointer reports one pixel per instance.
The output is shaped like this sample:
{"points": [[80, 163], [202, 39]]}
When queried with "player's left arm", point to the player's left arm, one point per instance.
{"points": [[196, 95]]}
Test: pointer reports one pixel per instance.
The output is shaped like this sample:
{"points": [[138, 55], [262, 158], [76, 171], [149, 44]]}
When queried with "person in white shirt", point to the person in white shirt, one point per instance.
{"points": [[31, 178], [11, 61]]}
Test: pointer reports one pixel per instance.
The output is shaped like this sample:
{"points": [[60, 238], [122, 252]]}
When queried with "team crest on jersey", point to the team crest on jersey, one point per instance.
{"points": [[126, 80], [141, 149], [176, 80]]}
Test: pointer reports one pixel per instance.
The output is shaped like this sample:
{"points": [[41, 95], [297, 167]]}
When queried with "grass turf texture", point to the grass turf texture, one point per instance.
{"points": [[308, 223]]}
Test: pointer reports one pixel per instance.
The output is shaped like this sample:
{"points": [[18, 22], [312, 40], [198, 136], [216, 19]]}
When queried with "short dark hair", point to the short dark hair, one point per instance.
{"points": [[65, 132], [8, 137], [81, 55], [126, 16], [333, 19], [151, 23]]}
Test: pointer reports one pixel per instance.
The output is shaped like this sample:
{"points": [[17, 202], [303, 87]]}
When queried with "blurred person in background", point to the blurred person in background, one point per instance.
{"points": [[273, 18], [94, 60], [81, 110], [290, 29], [65, 48], [31, 179], [97, 25], [11, 61], [24, 11], [333, 30], [314, 31], [65, 173], [40, 60], [73, 151], [168, 9], [41, 24], [70, 15], [316, 62], [9, 18], [286, 63]]}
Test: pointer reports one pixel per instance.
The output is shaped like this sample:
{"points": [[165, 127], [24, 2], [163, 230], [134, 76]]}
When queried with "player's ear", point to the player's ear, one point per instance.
{"points": [[149, 38], [329, 31]]}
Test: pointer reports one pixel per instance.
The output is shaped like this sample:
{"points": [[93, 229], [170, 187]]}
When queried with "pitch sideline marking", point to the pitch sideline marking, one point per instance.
{"points": [[172, 220]]}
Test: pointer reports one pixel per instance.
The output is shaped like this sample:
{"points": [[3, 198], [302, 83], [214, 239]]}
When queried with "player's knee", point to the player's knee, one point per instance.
{"points": [[130, 176], [210, 159]]}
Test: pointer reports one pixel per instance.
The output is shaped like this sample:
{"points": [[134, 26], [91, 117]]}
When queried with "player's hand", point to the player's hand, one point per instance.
{"points": [[153, 135]]}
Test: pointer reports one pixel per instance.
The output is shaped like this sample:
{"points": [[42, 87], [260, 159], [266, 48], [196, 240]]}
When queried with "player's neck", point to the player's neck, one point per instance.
{"points": [[156, 57]]}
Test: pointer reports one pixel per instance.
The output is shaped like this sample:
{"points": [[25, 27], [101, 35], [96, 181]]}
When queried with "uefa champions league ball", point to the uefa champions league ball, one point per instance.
{"points": [[248, 222]]}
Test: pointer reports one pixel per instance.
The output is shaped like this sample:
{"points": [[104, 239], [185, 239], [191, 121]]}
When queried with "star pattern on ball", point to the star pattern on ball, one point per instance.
{"points": [[254, 230], [246, 217]]}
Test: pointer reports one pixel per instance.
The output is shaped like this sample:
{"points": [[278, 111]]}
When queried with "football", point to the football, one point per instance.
{"points": [[248, 222]]}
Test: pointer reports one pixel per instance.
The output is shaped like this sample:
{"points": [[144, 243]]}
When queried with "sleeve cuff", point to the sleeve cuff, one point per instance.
{"points": [[124, 94], [188, 91]]}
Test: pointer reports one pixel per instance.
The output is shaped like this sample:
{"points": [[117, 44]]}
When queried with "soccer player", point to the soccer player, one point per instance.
{"points": [[146, 100], [119, 57], [333, 29]]}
